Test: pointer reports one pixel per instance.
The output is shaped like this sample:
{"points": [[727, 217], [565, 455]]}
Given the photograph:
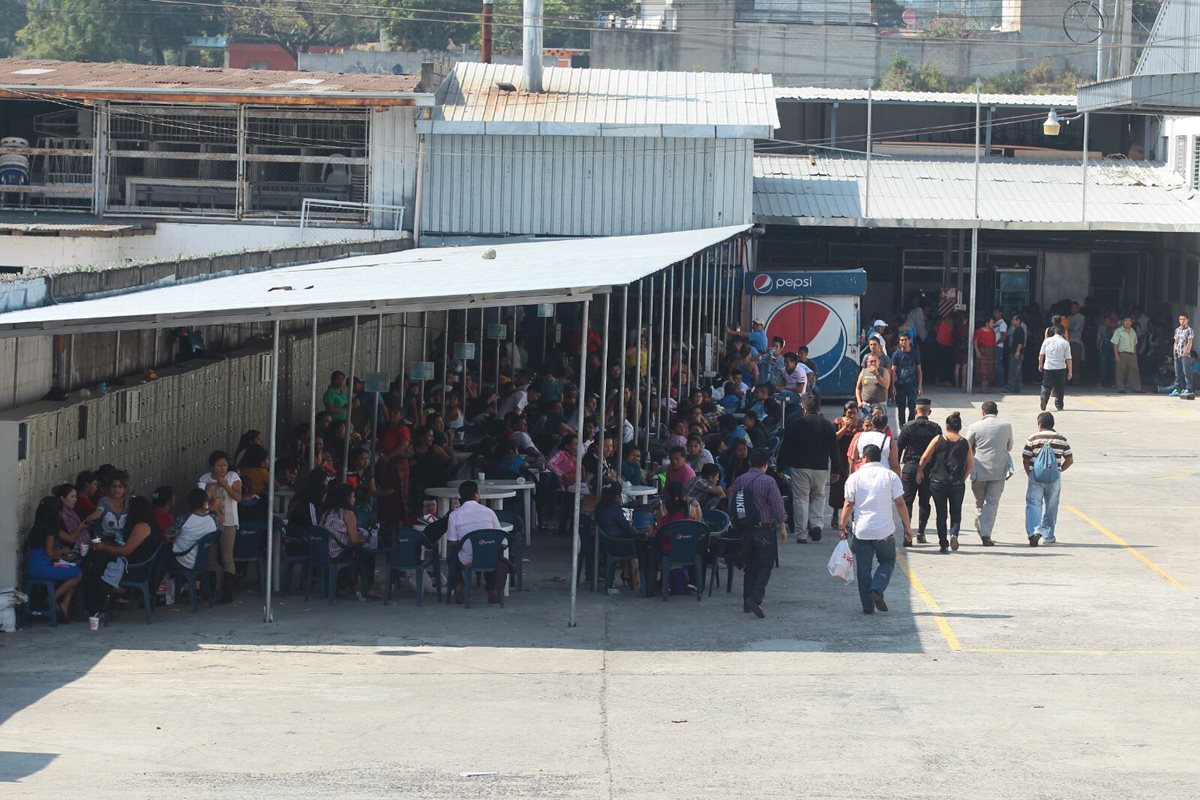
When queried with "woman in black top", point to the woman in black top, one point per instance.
{"points": [[142, 539], [948, 461]]}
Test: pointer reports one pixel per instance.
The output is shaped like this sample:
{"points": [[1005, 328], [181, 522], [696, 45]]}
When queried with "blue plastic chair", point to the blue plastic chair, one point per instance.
{"points": [[199, 571], [516, 545], [724, 542], [319, 563], [687, 538], [52, 611], [616, 550], [486, 549], [587, 546], [147, 584], [298, 544], [405, 556], [247, 547]]}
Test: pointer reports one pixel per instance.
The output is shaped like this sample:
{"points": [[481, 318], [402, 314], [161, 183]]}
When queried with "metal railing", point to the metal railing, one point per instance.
{"points": [[310, 203]]}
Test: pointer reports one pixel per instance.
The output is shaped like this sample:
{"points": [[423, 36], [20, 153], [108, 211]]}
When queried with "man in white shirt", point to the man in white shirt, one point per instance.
{"points": [[795, 377], [871, 494], [1000, 328], [199, 524], [1056, 365], [518, 399], [469, 517]]}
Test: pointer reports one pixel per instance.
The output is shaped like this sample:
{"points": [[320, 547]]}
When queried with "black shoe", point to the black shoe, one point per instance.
{"points": [[987, 541], [943, 548], [1035, 540], [751, 607], [877, 599], [814, 534], [868, 611], [921, 538]]}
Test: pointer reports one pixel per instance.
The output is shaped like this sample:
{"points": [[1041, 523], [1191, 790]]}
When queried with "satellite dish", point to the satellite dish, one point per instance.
{"points": [[910, 18]]}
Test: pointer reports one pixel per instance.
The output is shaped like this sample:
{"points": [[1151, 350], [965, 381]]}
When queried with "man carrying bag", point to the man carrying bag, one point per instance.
{"points": [[756, 511]]}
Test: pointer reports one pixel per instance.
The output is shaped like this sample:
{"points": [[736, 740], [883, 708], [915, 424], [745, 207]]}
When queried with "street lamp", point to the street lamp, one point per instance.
{"points": [[1052, 125]]}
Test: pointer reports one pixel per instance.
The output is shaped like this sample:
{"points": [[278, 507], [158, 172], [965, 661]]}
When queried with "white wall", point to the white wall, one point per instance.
{"points": [[169, 240]]}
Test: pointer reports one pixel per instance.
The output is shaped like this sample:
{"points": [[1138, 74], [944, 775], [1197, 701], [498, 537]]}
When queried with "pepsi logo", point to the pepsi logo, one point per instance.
{"points": [[762, 283], [809, 322]]}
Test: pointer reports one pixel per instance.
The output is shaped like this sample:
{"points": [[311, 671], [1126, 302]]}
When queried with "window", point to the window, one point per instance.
{"points": [[1181, 156]]}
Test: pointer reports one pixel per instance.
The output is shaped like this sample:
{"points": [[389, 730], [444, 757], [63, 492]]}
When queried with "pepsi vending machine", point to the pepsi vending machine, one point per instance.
{"points": [[819, 309]]}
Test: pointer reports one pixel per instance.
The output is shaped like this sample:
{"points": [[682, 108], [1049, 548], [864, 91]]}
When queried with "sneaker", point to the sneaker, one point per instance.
{"points": [[943, 548], [877, 599], [1188, 396], [987, 541], [921, 538], [1049, 540], [1174, 393], [1035, 539], [954, 543], [802, 539]]}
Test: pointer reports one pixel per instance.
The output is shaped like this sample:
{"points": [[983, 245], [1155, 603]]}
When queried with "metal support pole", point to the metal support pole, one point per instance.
{"points": [[622, 408], [403, 350], [375, 404], [870, 120], [116, 372], [682, 328], [420, 414], [971, 310], [465, 372], [268, 615], [479, 352], [312, 406], [446, 363], [350, 398], [600, 438], [637, 368], [1087, 129], [978, 88], [579, 465], [664, 354], [651, 363]]}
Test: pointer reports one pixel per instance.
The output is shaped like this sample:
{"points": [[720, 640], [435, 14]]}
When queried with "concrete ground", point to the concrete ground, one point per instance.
{"points": [[1066, 671]]}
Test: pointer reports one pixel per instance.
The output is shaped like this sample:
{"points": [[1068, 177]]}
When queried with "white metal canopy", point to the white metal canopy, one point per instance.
{"points": [[424, 279]]}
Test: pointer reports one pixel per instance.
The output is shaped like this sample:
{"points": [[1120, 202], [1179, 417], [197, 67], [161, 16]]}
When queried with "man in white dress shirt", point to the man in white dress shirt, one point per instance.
{"points": [[469, 517]]}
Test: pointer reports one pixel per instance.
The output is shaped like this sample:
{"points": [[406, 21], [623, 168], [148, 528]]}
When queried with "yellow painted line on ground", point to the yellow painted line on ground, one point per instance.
{"points": [[1133, 551], [1096, 404], [1086, 652], [938, 616]]}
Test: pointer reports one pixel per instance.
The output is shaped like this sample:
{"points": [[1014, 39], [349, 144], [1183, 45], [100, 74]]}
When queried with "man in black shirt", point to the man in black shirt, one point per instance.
{"points": [[914, 437], [1017, 337], [808, 451]]}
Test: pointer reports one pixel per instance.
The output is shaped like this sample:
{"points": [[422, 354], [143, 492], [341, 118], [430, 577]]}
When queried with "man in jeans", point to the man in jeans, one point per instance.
{"points": [[1182, 350], [871, 493], [759, 491], [1041, 499], [809, 448], [908, 378], [1017, 336]]}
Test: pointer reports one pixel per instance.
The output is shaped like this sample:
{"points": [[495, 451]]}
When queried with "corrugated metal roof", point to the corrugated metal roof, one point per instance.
{"points": [[425, 279], [605, 102], [80, 80], [1172, 45], [821, 93], [1177, 93], [939, 193]]}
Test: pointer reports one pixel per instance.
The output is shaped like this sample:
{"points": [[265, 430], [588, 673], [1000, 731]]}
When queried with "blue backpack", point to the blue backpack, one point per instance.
{"points": [[1045, 465]]}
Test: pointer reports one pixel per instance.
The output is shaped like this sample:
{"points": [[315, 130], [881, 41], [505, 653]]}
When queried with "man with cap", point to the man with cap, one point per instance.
{"points": [[914, 437], [757, 337], [878, 328]]}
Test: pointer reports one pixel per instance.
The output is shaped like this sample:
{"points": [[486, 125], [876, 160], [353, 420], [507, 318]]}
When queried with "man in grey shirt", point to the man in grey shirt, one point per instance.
{"points": [[991, 441]]}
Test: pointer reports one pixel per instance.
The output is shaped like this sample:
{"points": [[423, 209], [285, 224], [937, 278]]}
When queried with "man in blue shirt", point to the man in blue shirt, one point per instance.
{"points": [[757, 337], [907, 378]]}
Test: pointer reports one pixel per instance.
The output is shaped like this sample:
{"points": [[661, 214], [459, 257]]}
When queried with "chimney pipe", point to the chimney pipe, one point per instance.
{"points": [[531, 52], [486, 48]]}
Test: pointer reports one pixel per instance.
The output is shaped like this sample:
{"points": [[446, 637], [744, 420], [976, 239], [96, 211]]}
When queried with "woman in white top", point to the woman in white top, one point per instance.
{"points": [[876, 433], [224, 488]]}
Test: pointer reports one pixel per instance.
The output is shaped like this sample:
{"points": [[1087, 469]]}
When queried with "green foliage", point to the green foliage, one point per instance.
{"points": [[889, 13], [432, 24], [1038, 79], [107, 30], [948, 26], [899, 76], [299, 24], [12, 19]]}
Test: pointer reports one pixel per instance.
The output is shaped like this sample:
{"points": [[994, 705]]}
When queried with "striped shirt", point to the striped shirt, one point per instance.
{"points": [[1041, 439], [761, 490]]}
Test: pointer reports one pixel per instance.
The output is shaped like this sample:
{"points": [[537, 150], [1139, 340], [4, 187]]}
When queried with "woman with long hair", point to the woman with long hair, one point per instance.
{"points": [[947, 461], [48, 545], [141, 538]]}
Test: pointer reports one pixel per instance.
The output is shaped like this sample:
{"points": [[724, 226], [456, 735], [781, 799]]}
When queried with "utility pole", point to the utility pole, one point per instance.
{"points": [[486, 44]]}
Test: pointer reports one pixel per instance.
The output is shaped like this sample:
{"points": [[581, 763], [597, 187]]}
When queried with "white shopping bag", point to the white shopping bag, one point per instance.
{"points": [[841, 563]]}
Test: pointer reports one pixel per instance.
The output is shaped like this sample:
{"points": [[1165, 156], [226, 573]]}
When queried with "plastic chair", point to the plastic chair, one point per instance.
{"points": [[299, 555], [516, 545], [616, 550], [405, 556], [198, 572], [52, 607], [147, 584], [247, 547], [319, 562], [587, 546], [718, 526], [687, 538], [486, 549]]}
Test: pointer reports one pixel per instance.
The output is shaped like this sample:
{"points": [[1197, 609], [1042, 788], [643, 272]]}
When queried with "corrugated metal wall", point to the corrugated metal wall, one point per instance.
{"points": [[393, 159], [584, 186], [202, 406]]}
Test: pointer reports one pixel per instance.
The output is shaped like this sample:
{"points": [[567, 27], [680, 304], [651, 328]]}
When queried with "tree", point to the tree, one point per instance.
{"points": [[433, 24], [108, 30], [296, 25], [889, 14]]}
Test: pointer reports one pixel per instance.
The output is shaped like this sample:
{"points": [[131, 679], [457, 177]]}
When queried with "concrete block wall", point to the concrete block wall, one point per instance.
{"points": [[189, 411]]}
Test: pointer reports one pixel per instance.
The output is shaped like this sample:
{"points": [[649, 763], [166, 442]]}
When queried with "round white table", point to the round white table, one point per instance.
{"points": [[639, 492]]}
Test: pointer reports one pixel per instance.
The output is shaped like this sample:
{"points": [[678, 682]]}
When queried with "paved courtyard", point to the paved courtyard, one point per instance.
{"points": [[1066, 671]]}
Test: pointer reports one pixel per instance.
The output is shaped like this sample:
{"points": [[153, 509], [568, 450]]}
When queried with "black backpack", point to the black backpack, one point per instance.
{"points": [[743, 513]]}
